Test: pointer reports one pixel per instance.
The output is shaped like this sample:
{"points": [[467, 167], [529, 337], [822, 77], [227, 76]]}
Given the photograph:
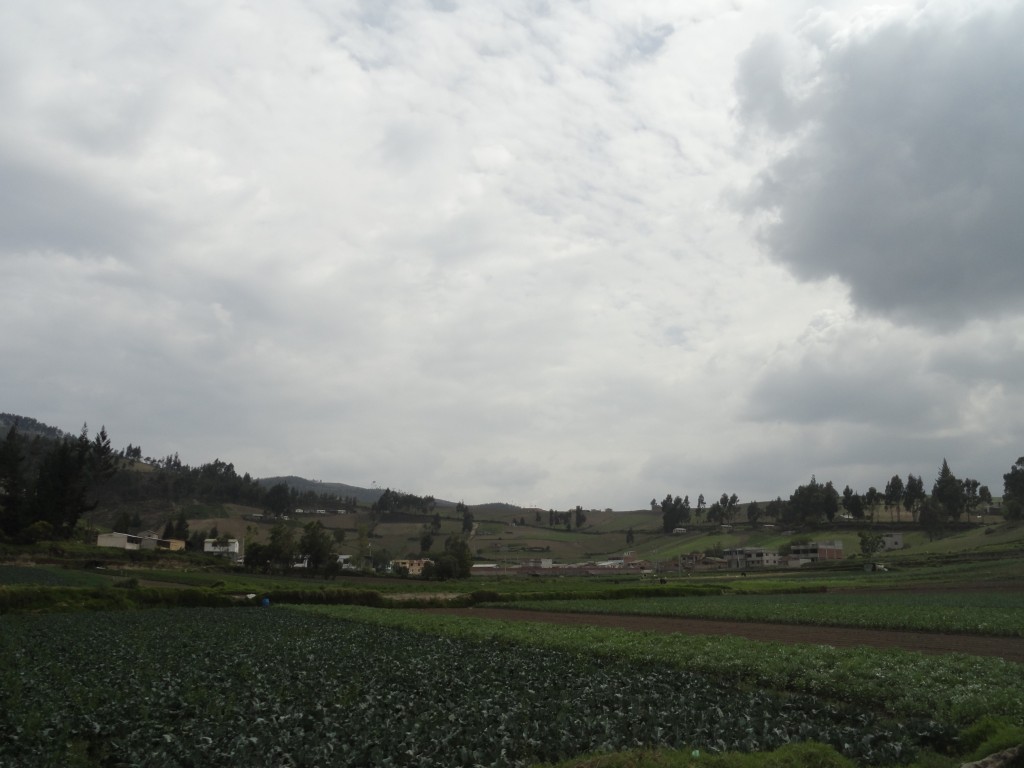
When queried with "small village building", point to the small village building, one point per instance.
{"points": [[226, 547], [745, 558], [816, 551], [119, 540], [144, 540], [169, 545], [414, 567], [698, 561], [892, 541]]}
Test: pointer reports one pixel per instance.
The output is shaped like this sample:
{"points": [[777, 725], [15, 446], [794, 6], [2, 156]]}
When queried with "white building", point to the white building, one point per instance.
{"points": [[892, 541], [221, 547]]}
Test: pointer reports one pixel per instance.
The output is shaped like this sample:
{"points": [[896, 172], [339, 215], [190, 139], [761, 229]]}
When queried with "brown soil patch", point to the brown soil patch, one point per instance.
{"points": [[1009, 648]]}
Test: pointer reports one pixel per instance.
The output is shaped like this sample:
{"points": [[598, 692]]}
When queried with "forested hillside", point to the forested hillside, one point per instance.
{"points": [[49, 481]]}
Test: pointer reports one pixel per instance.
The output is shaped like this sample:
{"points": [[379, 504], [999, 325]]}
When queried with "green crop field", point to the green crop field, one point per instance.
{"points": [[971, 612], [279, 687], [49, 576]]}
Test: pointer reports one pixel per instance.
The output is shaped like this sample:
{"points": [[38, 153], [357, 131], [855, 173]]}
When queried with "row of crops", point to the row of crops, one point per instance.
{"points": [[957, 689], [280, 687], [968, 612]]}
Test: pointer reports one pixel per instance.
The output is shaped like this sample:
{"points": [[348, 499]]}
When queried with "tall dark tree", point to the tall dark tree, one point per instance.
{"points": [[932, 517], [315, 544], [670, 514], [716, 513], [893, 494], [102, 459], [1013, 491], [753, 512], [14, 491], [684, 509], [948, 493], [856, 506], [914, 495], [277, 500], [729, 505], [847, 495], [871, 500], [830, 501], [971, 495], [282, 548], [426, 540]]}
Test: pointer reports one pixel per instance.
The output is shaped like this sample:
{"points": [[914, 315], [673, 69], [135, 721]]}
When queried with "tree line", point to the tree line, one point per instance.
{"points": [[49, 480], [676, 511], [951, 498]]}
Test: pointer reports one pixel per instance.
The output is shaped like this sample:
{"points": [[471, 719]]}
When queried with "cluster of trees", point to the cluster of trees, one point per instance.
{"points": [[216, 482], [315, 545], [281, 499], [676, 511], [456, 562], [567, 519], [397, 501], [47, 484], [950, 499]]}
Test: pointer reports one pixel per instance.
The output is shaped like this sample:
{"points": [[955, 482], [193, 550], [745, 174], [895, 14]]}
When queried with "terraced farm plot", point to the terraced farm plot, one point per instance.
{"points": [[279, 687]]}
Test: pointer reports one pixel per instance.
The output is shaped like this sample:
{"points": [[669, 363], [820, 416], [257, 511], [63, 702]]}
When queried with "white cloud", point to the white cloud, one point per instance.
{"points": [[483, 251]]}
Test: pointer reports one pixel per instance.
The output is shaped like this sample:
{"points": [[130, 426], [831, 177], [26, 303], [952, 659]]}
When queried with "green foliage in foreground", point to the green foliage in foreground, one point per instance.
{"points": [[998, 613], [271, 687], [956, 689]]}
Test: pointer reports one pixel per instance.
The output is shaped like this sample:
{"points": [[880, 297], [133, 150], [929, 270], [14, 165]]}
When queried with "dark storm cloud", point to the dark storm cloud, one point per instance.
{"points": [[904, 169]]}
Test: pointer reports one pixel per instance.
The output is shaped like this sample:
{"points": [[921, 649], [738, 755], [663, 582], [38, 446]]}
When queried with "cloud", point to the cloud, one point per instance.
{"points": [[46, 209], [481, 250], [900, 164]]}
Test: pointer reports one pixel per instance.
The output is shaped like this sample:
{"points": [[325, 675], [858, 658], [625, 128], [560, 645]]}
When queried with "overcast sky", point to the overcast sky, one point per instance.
{"points": [[548, 253]]}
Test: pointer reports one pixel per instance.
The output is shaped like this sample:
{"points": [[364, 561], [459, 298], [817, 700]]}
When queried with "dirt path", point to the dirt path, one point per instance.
{"points": [[1009, 648]]}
